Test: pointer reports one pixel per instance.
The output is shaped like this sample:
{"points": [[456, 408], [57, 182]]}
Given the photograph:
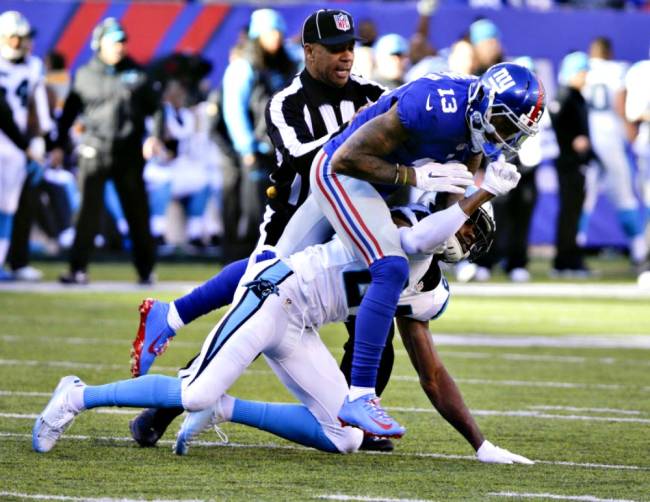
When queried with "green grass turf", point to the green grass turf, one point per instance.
{"points": [[89, 335]]}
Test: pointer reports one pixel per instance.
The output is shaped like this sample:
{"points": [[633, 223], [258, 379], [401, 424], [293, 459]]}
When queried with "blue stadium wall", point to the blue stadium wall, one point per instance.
{"points": [[156, 29]]}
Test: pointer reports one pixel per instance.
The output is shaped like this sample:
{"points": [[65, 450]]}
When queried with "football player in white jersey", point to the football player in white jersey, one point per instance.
{"points": [[277, 309], [20, 76], [637, 111], [605, 94]]}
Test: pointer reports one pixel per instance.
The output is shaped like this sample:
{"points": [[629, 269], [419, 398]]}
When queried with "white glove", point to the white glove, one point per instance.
{"points": [[500, 177], [452, 177], [491, 454]]}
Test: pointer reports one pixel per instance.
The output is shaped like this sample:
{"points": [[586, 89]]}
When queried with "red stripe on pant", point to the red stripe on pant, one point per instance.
{"points": [[332, 203]]}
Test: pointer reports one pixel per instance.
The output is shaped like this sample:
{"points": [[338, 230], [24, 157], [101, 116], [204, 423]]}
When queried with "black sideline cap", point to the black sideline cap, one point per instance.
{"points": [[328, 27]]}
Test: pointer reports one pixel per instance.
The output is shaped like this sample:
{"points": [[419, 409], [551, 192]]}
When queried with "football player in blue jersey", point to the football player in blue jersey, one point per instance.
{"points": [[424, 134]]}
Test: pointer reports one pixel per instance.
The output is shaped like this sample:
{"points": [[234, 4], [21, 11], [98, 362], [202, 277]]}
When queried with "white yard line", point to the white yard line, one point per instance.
{"points": [[124, 342], [43, 496], [629, 291], [398, 378], [443, 340], [555, 496], [530, 414], [638, 341], [593, 410], [271, 446], [79, 365], [479, 413], [364, 498]]}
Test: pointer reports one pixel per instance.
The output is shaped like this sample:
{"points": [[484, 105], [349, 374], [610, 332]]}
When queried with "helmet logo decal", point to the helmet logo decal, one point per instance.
{"points": [[342, 22], [501, 81], [534, 115]]}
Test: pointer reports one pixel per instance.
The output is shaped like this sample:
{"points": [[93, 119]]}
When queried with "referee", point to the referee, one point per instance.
{"points": [[300, 119]]}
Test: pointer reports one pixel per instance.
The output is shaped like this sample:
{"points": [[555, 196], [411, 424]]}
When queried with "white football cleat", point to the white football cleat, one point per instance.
{"points": [[195, 423], [57, 416]]}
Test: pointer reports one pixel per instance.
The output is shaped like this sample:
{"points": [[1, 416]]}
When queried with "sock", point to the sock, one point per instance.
{"points": [[357, 392], [173, 319], [149, 391], [375, 317], [6, 224], [213, 294], [630, 220], [289, 421]]}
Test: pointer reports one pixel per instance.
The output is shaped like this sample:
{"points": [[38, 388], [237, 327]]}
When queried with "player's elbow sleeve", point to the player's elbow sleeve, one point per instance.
{"points": [[409, 243]]}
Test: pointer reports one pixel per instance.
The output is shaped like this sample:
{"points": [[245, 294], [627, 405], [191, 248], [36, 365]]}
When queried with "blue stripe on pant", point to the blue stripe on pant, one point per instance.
{"points": [[248, 305]]}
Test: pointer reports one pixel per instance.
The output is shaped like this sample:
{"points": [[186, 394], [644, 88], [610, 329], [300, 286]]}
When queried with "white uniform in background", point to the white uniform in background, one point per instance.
{"points": [[19, 81], [605, 82], [637, 109], [277, 310], [183, 173]]}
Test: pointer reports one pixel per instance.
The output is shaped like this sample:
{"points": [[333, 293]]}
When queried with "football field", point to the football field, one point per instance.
{"points": [[560, 374]]}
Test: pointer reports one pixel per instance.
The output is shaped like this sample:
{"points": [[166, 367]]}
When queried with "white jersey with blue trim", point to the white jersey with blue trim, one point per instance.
{"points": [[605, 80], [18, 81], [333, 282]]}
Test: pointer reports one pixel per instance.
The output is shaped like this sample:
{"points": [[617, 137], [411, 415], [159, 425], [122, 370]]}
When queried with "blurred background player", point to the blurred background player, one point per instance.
{"points": [[111, 146], [571, 124], [637, 111], [20, 77], [259, 68], [604, 92], [180, 173]]}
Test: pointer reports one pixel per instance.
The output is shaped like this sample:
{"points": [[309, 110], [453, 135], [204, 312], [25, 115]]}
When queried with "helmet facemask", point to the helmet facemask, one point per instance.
{"points": [[458, 247]]}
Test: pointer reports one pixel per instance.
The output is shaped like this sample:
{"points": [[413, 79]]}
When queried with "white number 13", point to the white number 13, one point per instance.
{"points": [[449, 105]]}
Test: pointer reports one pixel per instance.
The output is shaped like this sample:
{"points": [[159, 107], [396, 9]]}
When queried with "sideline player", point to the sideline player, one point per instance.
{"points": [[637, 111], [20, 76], [605, 93], [299, 294]]}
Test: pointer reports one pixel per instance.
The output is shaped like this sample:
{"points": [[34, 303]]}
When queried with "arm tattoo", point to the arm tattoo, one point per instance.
{"points": [[360, 156]]}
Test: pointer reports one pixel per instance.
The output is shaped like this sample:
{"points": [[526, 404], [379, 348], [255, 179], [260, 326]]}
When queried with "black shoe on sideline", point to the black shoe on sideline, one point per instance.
{"points": [[77, 277]]}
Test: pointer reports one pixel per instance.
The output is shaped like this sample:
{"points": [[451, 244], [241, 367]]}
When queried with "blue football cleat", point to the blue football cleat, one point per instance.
{"points": [[57, 416], [154, 335], [367, 414], [195, 423]]}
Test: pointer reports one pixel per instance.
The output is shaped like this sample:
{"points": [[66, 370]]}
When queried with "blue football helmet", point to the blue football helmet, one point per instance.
{"points": [[505, 107]]}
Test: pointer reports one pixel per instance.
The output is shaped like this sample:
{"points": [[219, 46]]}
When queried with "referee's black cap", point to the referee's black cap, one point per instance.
{"points": [[329, 27]]}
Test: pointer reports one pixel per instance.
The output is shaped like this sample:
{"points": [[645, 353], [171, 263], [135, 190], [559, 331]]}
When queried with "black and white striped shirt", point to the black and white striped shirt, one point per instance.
{"points": [[300, 120]]}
